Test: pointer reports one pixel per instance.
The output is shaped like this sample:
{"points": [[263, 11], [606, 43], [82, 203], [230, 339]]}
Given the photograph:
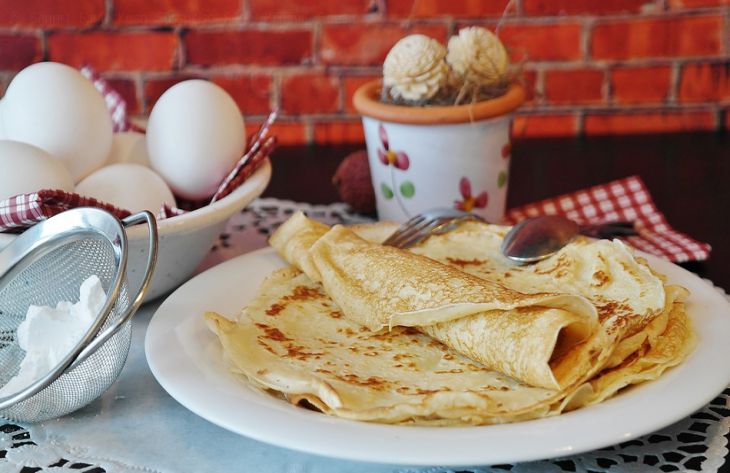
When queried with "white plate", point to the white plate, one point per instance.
{"points": [[186, 359]]}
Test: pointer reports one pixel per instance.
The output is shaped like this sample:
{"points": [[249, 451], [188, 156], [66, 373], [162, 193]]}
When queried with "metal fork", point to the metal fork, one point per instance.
{"points": [[431, 222]]}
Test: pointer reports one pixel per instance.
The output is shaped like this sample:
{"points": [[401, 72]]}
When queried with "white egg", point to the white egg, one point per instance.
{"points": [[129, 147], [54, 107], [195, 135], [27, 168], [128, 186]]}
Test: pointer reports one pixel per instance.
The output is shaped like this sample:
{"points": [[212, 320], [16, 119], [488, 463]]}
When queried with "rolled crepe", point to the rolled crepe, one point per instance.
{"points": [[543, 339]]}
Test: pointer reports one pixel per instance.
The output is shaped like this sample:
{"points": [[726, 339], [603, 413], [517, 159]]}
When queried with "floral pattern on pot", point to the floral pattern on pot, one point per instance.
{"points": [[397, 159], [468, 201], [506, 150], [394, 160], [502, 179]]}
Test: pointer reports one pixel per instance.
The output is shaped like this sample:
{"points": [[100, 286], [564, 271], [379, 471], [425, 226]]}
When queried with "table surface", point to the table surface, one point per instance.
{"points": [[688, 175]]}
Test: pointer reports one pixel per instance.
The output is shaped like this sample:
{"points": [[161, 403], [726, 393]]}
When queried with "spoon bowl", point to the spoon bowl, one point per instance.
{"points": [[537, 238]]}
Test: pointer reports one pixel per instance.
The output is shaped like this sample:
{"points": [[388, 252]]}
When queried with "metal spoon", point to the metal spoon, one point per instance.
{"points": [[537, 238]]}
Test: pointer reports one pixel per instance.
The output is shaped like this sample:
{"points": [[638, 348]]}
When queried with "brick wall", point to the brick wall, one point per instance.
{"points": [[596, 66]]}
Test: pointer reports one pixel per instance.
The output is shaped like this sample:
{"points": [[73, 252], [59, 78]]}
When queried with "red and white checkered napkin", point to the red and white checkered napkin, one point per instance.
{"points": [[25, 210], [625, 199], [114, 102]]}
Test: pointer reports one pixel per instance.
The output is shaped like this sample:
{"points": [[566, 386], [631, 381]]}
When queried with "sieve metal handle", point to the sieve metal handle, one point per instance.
{"points": [[101, 338]]}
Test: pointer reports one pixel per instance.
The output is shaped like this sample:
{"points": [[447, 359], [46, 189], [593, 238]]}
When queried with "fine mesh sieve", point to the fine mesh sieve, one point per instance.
{"points": [[47, 264]]}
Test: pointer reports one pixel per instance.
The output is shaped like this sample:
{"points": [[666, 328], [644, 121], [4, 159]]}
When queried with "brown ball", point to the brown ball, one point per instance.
{"points": [[353, 184]]}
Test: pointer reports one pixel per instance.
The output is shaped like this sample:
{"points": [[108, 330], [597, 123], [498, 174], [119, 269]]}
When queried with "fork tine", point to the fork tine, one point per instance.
{"points": [[403, 229], [407, 233], [423, 231], [422, 225]]}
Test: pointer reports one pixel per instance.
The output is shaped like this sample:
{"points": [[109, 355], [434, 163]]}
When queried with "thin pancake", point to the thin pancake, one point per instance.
{"points": [[292, 339], [620, 285], [378, 286]]}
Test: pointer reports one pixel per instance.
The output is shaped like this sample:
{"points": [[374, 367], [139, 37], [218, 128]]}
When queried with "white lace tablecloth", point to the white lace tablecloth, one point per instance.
{"points": [[137, 427]]}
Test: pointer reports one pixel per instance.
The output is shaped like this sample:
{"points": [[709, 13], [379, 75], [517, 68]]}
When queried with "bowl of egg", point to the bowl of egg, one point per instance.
{"points": [[56, 133]]}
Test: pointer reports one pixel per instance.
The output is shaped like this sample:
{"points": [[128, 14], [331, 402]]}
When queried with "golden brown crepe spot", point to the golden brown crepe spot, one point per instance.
{"points": [[275, 309], [273, 333], [451, 371], [558, 269], [402, 356], [608, 309], [463, 262], [600, 278], [346, 331], [631, 272], [373, 382], [300, 293], [300, 352], [266, 346], [335, 314]]}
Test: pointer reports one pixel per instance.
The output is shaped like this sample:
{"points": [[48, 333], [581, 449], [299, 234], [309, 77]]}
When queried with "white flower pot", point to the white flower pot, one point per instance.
{"points": [[435, 157]]}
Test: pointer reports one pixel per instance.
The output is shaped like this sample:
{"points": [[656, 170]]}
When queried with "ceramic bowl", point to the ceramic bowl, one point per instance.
{"points": [[184, 240]]}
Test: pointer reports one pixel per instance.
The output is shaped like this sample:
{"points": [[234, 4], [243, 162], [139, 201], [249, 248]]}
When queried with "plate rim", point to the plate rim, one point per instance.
{"points": [[425, 456]]}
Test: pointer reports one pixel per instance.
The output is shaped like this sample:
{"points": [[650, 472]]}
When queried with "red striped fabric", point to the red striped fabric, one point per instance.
{"points": [[23, 211], [623, 199]]}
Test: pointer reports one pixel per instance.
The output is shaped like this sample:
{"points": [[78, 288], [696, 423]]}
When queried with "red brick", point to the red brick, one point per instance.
{"points": [[705, 82], [554, 42], [675, 4], [574, 86], [106, 51], [250, 92], [309, 93], [51, 13], [640, 84], [287, 133], [350, 85], [304, 10], [436, 8], [581, 7], [677, 36], [154, 88], [211, 48], [367, 44], [127, 89], [145, 12], [339, 132], [16, 52], [648, 122], [527, 126]]}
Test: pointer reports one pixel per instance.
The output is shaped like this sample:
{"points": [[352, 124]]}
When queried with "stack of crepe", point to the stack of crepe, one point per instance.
{"points": [[450, 332]]}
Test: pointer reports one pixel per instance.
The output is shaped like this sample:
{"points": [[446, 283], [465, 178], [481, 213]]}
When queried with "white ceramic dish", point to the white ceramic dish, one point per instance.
{"points": [[184, 239], [187, 361]]}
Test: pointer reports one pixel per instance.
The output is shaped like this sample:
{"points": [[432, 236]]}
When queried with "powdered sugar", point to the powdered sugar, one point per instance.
{"points": [[48, 334]]}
